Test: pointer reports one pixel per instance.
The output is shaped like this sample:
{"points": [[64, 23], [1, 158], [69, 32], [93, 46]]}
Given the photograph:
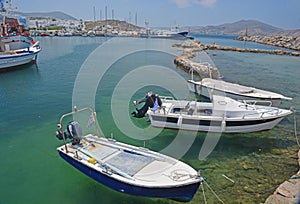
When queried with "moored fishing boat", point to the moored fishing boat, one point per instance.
{"points": [[223, 114], [208, 87], [126, 168], [16, 46], [16, 58]]}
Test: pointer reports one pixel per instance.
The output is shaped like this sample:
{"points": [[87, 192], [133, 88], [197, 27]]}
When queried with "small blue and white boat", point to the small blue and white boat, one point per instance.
{"points": [[126, 168], [15, 58], [16, 46]]}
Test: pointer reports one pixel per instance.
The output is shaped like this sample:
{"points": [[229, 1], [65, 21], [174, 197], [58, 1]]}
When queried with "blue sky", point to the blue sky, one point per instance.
{"points": [[280, 13]]}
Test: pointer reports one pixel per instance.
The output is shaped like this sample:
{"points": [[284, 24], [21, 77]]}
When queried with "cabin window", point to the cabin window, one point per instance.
{"points": [[176, 110]]}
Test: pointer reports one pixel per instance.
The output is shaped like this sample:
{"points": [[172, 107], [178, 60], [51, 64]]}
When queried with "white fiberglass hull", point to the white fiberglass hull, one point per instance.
{"points": [[18, 58], [223, 89], [213, 125], [222, 115]]}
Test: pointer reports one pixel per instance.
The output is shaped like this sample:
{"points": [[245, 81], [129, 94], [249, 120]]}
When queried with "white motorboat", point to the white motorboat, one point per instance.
{"points": [[208, 87], [126, 168], [223, 114]]}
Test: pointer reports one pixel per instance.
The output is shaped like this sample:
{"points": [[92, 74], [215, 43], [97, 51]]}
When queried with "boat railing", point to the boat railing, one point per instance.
{"points": [[258, 102], [167, 98], [273, 111], [75, 111]]}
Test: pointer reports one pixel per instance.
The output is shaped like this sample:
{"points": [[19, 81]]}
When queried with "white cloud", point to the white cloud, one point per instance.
{"points": [[182, 3], [187, 3], [206, 3]]}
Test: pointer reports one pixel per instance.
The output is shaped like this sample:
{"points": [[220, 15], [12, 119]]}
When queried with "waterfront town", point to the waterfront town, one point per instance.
{"points": [[49, 26]]}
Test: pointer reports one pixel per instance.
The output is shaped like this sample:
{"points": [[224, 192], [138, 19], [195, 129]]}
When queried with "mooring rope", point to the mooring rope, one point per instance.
{"points": [[205, 201], [214, 193], [295, 126]]}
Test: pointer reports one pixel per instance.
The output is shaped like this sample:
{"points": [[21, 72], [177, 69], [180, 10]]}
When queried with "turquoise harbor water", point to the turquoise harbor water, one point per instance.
{"points": [[33, 99]]}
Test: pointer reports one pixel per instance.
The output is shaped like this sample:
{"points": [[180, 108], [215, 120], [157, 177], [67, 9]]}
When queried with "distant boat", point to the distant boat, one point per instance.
{"points": [[126, 168], [44, 34], [167, 34], [208, 87], [16, 46], [174, 33], [223, 114]]}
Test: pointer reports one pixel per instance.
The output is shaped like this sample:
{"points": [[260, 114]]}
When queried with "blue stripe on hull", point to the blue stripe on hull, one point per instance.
{"points": [[17, 61], [180, 193]]}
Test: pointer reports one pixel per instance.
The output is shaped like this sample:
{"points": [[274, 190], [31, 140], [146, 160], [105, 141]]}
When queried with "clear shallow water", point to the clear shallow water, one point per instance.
{"points": [[33, 99]]}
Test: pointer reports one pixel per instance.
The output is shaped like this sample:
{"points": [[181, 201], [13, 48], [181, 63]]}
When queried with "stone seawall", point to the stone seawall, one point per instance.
{"points": [[197, 46], [288, 42], [288, 191], [190, 50]]}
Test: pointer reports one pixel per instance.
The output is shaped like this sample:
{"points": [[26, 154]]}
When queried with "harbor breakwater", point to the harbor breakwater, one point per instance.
{"points": [[190, 49], [288, 42]]}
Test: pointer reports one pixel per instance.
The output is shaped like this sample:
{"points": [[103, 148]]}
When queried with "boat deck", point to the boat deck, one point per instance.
{"points": [[136, 163]]}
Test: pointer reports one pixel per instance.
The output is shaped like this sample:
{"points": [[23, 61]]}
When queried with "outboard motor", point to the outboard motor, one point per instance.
{"points": [[73, 132]]}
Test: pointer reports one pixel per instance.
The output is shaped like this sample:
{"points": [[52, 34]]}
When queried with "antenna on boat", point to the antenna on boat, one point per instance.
{"points": [[8, 9], [295, 125], [192, 72]]}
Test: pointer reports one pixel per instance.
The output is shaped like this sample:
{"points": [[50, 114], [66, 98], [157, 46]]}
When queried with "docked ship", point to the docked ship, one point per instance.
{"points": [[173, 33]]}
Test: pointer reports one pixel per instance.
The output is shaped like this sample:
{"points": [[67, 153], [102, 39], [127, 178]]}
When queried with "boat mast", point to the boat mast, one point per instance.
{"points": [[6, 7]]}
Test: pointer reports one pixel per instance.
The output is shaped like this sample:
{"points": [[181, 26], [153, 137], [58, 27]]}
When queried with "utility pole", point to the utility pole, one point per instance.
{"points": [[94, 17], [106, 19]]}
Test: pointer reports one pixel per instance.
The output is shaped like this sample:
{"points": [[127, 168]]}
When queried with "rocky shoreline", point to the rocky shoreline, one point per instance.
{"points": [[288, 191], [288, 42], [189, 51]]}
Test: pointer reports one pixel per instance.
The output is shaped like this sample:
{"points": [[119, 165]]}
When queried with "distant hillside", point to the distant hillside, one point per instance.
{"points": [[119, 25], [251, 27], [54, 14]]}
